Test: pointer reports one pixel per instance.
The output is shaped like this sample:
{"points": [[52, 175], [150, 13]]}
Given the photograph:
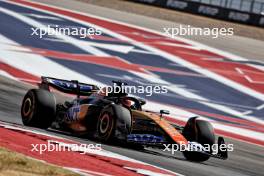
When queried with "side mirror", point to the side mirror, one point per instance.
{"points": [[142, 101], [164, 112]]}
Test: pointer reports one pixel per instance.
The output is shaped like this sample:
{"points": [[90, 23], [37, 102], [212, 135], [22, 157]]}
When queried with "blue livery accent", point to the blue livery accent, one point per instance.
{"points": [[70, 85], [145, 138]]}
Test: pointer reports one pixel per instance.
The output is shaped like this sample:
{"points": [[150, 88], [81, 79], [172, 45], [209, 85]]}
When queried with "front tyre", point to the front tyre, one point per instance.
{"points": [[199, 131], [38, 108]]}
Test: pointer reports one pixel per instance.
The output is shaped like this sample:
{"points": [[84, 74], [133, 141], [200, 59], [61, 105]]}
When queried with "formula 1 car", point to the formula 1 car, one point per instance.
{"points": [[115, 117]]}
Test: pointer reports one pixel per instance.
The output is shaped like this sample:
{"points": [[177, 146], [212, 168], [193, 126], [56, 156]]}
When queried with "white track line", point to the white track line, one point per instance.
{"points": [[99, 152]]}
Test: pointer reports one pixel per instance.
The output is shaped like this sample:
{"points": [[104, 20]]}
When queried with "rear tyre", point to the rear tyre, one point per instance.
{"points": [[105, 125], [38, 108], [113, 119], [199, 131]]}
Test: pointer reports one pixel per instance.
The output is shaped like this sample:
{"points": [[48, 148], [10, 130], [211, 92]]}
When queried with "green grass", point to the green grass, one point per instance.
{"points": [[15, 164]]}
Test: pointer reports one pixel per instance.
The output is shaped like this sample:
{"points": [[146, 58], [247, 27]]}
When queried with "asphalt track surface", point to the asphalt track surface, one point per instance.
{"points": [[246, 159]]}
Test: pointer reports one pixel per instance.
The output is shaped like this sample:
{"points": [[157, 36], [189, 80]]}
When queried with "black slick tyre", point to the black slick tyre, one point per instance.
{"points": [[38, 108]]}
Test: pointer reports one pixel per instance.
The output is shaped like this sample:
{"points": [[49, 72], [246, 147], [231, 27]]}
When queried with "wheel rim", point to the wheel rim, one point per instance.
{"points": [[105, 122], [27, 108]]}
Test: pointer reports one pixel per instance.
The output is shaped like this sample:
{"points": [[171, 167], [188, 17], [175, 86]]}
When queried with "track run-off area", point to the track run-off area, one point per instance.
{"points": [[223, 88]]}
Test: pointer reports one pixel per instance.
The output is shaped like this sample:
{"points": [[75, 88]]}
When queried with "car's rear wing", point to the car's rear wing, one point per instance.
{"points": [[66, 86]]}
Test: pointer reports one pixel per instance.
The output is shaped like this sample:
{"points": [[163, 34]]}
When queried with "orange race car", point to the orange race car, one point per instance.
{"points": [[117, 117]]}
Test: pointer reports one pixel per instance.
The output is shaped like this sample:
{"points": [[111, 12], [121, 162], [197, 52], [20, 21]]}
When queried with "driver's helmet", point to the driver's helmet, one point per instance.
{"points": [[126, 102]]}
